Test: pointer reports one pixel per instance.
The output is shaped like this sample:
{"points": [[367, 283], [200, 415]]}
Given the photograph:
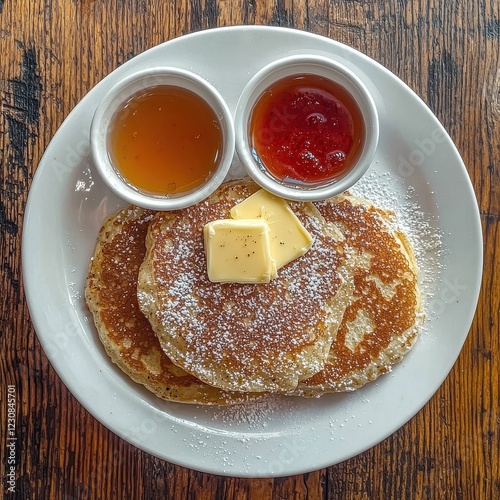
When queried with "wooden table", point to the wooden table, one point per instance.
{"points": [[52, 53]]}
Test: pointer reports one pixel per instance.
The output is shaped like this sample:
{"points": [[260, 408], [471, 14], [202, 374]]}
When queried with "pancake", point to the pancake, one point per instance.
{"points": [[241, 337], [111, 295], [383, 319]]}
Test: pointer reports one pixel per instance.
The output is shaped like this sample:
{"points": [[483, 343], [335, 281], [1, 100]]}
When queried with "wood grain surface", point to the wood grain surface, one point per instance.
{"points": [[53, 52]]}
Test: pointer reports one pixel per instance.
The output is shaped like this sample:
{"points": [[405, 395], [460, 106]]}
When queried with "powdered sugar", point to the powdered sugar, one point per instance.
{"points": [[257, 414], [420, 226]]}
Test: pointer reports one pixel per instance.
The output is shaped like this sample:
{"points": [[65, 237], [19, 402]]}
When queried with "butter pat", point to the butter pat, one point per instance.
{"points": [[289, 238], [239, 251]]}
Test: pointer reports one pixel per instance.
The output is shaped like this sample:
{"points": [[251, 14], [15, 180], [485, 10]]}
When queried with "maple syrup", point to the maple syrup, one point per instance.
{"points": [[306, 128], [166, 140]]}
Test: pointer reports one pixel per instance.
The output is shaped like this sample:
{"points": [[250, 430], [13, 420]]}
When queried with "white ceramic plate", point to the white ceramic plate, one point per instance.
{"points": [[417, 172]]}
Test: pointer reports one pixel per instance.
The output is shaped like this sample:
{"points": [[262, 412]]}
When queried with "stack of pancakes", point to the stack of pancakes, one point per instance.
{"points": [[333, 320]]}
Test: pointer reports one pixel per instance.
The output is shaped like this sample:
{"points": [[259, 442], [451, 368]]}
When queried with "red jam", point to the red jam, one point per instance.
{"points": [[306, 128]]}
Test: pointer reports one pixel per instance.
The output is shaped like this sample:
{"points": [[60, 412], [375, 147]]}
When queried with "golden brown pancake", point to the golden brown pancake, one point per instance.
{"points": [[382, 321], [111, 295], [240, 337]]}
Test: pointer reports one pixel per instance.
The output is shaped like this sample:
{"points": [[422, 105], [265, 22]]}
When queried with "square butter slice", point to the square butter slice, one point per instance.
{"points": [[239, 251], [289, 238]]}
